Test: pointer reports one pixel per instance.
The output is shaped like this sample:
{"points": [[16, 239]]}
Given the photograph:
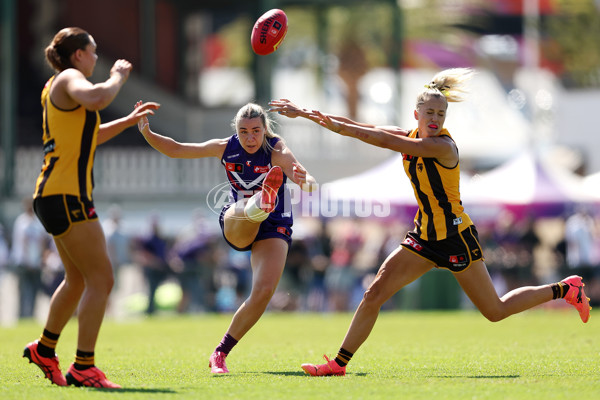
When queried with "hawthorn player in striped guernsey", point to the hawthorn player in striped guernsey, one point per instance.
{"points": [[444, 235], [63, 200], [258, 216]]}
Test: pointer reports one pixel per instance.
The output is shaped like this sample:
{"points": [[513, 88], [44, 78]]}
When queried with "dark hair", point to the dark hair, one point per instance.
{"points": [[66, 42]]}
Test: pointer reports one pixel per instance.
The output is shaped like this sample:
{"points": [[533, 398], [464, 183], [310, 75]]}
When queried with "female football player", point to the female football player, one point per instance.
{"points": [[63, 199], [258, 217], [444, 235]]}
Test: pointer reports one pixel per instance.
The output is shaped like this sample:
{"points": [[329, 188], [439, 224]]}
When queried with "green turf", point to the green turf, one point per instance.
{"points": [[452, 355]]}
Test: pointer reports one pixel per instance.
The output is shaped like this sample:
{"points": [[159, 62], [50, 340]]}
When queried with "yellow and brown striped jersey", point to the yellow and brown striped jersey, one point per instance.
{"points": [[436, 188], [69, 147]]}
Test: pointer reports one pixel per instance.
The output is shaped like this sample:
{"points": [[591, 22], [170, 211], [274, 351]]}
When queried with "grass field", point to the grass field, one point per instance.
{"points": [[541, 354]]}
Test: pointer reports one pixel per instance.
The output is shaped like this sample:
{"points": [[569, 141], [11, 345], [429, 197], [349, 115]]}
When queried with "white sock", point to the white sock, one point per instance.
{"points": [[253, 211]]}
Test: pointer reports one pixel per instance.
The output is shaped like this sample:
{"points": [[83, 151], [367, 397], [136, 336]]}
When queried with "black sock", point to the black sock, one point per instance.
{"points": [[559, 290], [47, 344], [84, 360], [343, 357]]}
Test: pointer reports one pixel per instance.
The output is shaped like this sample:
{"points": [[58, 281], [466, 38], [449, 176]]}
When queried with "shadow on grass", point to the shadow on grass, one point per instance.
{"points": [[301, 373], [133, 390], [478, 376]]}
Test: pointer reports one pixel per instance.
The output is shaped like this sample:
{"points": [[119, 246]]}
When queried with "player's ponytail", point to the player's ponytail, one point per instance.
{"points": [[66, 42], [449, 84]]}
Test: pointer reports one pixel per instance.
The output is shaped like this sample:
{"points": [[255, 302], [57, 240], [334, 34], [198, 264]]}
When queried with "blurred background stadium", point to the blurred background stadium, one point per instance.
{"points": [[527, 134]]}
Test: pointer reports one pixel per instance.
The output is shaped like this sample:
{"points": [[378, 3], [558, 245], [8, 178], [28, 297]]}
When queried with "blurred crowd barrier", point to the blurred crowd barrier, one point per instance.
{"points": [[330, 264]]}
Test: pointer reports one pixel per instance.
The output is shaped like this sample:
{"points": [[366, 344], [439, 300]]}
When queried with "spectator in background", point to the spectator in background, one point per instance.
{"points": [[580, 237], [340, 275], [118, 243], [53, 270], [192, 262], [151, 255], [29, 242], [319, 251], [3, 251]]}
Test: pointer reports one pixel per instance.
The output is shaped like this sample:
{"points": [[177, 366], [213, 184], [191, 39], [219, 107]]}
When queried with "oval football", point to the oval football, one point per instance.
{"points": [[268, 32]]}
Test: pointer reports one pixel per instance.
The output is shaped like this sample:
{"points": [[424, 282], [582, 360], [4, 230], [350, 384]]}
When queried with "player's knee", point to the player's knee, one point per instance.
{"points": [[262, 294], [102, 285], [373, 296]]}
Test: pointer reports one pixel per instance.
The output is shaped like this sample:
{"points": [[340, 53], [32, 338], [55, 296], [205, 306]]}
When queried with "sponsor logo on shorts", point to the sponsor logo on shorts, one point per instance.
{"points": [[412, 243], [457, 221], [282, 230], [458, 260]]}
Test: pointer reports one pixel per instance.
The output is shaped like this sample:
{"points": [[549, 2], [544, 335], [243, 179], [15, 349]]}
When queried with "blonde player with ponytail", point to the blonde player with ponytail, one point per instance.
{"points": [[444, 235]]}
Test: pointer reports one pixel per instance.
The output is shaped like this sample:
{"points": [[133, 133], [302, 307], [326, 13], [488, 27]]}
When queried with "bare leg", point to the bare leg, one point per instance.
{"points": [[477, 284], [398, 270], [238, 229], [83, 248], [268, 260], [66, 298]]}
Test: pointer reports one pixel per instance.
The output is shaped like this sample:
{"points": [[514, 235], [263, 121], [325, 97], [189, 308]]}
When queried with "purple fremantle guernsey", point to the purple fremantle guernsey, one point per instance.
{"points": [[246, 173]]}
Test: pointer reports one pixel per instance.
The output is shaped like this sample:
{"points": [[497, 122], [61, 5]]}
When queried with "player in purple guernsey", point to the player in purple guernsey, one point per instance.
{"points": [[246, 172], [258, 217]]}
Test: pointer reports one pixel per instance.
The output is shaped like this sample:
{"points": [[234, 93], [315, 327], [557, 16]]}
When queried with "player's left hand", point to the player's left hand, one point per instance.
{"points": [[287, 108], [141, 111]]}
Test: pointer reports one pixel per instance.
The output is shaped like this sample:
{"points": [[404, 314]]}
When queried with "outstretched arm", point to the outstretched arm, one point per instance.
{"points": [[393, 138], [175, 149], [287, 108], [111, 129], [437, 147]]}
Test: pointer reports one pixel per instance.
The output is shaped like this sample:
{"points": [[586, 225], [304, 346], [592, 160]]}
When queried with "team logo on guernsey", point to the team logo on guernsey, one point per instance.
{"points": [[420, 167], [234, 167]]}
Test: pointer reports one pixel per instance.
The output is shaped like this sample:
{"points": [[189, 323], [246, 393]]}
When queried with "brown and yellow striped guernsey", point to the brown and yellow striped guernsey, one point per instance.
{"points": [[436, 188], [69, 139]]}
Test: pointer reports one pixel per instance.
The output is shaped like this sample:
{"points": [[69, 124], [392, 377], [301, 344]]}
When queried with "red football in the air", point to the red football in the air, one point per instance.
{"points": [[268, 32]]}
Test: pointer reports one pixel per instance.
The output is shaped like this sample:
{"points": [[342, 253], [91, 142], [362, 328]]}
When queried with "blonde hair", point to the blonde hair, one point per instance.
{"points": [[252, 110], [448, 84]]}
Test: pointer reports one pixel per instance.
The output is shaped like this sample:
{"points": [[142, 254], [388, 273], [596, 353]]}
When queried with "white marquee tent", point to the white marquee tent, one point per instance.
{"points": [[525, 183]]}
